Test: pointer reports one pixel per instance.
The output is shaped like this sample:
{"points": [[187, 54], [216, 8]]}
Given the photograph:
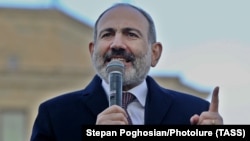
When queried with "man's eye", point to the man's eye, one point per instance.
{"points": [[106, 35], [132, 35]]}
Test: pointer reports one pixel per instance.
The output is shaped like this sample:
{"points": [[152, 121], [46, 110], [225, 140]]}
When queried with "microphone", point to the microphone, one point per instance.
{"points": [[115, 69]]}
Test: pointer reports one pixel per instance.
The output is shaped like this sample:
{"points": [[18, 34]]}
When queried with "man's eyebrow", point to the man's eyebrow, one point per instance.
{"points": [[106, 30], [126, 29], [132, 29]]}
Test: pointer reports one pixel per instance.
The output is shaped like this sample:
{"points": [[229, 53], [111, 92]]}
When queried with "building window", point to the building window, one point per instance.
{"points": [[12, 125], [13, 62]]}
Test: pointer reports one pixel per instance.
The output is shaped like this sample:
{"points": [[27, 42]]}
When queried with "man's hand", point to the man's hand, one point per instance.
{"points": [[212, 116], [113, 115]]}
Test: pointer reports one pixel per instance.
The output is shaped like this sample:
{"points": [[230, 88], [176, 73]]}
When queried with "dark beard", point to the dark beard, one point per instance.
{"points": [[118, 52], [132, 76]]}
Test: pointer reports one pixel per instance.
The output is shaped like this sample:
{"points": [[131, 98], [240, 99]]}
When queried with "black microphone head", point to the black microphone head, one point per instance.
{"points": [[115, 65]]}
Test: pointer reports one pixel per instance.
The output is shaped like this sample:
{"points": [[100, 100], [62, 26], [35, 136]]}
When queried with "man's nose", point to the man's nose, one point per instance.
{"points": [[118, 42]]}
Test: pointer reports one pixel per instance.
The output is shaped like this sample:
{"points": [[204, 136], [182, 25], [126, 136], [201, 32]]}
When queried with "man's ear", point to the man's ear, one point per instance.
{"points": [[156, 53], [91, 48]]}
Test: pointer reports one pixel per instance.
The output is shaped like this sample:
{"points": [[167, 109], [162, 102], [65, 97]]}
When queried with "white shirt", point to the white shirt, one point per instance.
{"points": [[135, 108]]}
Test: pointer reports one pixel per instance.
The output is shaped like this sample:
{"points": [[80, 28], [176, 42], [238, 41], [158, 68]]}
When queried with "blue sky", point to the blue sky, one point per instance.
{"points": [[190, 21], [207, 43]]}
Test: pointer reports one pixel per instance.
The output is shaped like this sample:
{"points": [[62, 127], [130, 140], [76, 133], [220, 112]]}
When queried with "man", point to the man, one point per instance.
{"points": [[125, 33]]}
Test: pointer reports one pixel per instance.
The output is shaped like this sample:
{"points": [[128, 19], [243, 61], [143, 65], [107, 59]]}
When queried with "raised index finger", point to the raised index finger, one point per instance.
{"points": [[214, 105]]}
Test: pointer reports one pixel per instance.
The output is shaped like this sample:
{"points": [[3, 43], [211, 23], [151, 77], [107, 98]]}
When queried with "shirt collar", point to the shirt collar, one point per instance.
{"points": [[140, 91]]}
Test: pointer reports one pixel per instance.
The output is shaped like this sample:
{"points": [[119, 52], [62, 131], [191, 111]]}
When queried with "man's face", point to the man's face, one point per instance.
{"points": [[122, 33]]}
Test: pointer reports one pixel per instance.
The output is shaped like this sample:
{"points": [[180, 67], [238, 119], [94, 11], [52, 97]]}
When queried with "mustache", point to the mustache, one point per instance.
{"points": [[119, 53]]}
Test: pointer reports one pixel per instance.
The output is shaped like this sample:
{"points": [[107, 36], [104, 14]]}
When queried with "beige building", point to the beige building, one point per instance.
{"points": [[44, 53]]}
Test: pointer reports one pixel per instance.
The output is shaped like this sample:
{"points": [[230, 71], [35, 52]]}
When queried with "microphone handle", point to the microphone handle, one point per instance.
{"points": [[115, 79]]}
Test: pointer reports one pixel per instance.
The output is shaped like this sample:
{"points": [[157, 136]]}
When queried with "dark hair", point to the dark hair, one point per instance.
{"points": [[151, 31]]}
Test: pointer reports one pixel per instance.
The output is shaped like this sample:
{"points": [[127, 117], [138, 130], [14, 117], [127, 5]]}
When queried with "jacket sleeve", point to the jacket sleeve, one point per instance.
{"points": [[42, 129]]}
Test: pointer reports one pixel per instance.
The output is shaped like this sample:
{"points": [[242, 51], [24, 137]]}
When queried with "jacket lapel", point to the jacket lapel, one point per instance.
{"points": [[157, 103], [95, 97]]}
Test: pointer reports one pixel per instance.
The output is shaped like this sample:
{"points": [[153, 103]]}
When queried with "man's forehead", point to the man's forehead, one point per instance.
{"points": [[122, 11], [123, 15], [122, 8]]}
